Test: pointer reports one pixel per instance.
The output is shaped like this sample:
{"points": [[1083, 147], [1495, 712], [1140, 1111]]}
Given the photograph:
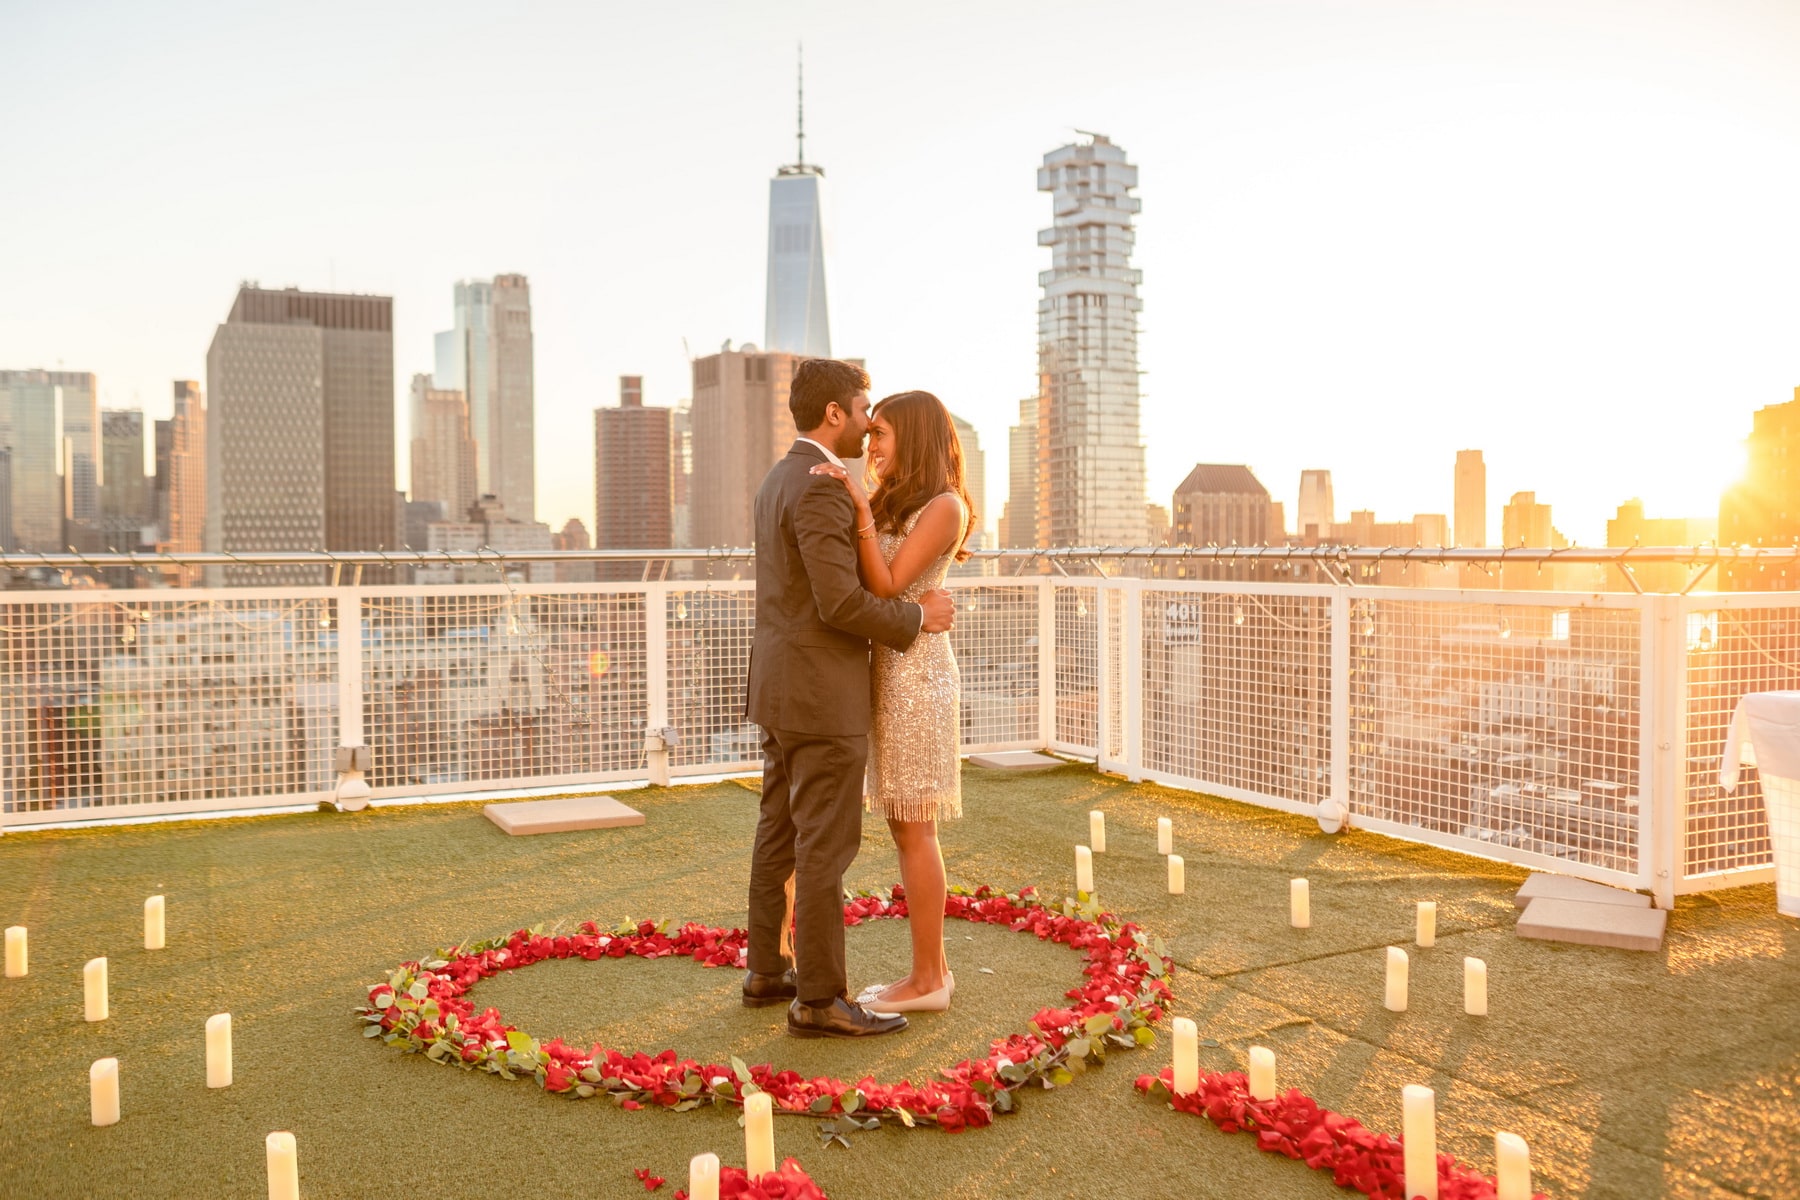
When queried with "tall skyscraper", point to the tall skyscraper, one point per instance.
{"points": [[1471, 499], [487, 356], [125, 499], [83, 471], [443, 453], [796, 319], [741, 427], [1317, 512], [7, 542], [50, 420], [186, 485], [300, 427], [1019, 518], [1525, 522], [681, 465], [1087, 349], [1763, 507], [633, 478], [974, 478]]}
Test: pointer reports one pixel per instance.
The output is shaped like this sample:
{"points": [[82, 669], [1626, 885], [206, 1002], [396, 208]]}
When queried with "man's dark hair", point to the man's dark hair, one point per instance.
{"points": [[819, 382]]}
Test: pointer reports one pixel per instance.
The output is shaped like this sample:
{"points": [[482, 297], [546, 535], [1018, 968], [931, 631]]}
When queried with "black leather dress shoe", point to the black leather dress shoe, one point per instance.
{"points": [[760, 991], [839, 1019]]}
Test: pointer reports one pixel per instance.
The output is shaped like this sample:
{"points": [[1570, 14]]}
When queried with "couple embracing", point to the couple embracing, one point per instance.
{"points": [[839, 568]]}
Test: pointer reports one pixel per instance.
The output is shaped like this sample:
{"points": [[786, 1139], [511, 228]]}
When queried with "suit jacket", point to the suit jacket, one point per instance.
{"points": [[809, 662]]}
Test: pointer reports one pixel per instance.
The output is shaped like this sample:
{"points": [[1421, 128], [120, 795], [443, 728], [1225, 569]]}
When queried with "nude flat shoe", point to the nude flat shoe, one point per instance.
{"points": [[938, 1001], [874, 990]]}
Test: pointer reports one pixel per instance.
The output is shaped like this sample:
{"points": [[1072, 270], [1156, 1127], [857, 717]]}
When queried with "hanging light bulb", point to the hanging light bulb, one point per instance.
{"points": [[1237, 615], [1505, 628]]}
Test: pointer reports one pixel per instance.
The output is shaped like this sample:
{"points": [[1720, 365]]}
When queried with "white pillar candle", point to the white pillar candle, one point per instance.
{"points": [[103, 1091], [153, 923], [1427, 931], [1262, 1073], [1418, 1136], [1396, 979], [93, 986], [218, 1050], [1177, 875], [1097, 831], [284, 1166], [1475, 987], [1187, 1056], [759, 1135], [1165, 836], [703, 1177], [1513, 1160], [1299, 904], [18, 961], [1084, 870]]}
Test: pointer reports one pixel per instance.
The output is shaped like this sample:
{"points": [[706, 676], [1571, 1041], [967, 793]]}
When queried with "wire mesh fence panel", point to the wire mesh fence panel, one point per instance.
{"points": [[1237, 690], [709, 634], [1732, 651], [181, 700], [1077, 667], [995, 640], [1515, 727], [474, 685]]}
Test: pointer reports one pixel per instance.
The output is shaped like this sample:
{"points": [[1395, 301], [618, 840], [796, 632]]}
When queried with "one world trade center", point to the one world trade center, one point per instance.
{"points": [[796, 319]]}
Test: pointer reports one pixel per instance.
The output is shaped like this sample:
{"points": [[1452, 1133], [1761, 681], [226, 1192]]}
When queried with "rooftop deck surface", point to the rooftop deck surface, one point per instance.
{"points": [[1629, 1074]]}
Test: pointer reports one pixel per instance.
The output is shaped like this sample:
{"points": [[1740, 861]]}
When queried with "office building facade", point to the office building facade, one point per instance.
{"points": [[634, 500], [443, 452], [300, 427], [50, 421], [741, 427], [1763, 507], [489, 357]]}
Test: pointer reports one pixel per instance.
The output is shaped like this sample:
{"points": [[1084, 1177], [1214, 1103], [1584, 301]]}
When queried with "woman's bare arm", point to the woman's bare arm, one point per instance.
{"points": [[937, 531], [935, 534]]}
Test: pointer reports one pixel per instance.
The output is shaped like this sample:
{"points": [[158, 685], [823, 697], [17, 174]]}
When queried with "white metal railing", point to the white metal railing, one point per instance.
{"points": [[1572, 732]]}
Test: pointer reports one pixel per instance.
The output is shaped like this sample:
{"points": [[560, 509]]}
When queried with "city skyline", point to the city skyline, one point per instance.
{"points": [[1400, 258]]}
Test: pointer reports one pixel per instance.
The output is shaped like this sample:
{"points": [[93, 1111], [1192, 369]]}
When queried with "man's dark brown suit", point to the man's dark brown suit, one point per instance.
{"points": [[809, 690]]}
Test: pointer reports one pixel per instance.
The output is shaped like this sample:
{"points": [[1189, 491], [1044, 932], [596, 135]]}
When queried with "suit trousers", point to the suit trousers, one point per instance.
{"points": [[810, 828]]}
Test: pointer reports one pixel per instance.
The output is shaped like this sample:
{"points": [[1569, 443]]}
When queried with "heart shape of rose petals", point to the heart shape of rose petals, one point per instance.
{"points": [[423, 1008]]}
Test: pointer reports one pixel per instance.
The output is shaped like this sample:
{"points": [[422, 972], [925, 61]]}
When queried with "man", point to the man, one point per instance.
{"points": [[809, 690]]}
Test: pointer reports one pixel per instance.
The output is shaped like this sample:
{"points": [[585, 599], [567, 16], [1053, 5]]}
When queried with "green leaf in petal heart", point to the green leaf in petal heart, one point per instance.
{"points": [[739, 1069], [821, 1104], [851, 1100]]}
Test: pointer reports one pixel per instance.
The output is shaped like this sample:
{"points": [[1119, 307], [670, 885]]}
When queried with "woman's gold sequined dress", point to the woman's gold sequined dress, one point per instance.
{"points": [[914, 769]]}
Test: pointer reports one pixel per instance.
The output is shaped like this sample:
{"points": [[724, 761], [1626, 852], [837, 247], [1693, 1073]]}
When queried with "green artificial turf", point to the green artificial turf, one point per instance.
{"points": [[1631, 1075]]}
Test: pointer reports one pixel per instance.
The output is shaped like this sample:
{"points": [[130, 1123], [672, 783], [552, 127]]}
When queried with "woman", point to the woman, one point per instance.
{"points": [[908, 532]]}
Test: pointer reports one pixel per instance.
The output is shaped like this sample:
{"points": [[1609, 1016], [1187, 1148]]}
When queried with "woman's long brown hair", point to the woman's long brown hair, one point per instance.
{"points": [[927, 462]]}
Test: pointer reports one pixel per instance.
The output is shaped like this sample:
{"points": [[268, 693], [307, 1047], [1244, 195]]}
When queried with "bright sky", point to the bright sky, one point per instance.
{"points": [[1374, 231]]}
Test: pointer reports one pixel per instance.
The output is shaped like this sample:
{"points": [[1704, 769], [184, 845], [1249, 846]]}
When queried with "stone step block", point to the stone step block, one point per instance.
{"points": [[562, 815], [1589, 924], [1015, 760], [1540, 886]]}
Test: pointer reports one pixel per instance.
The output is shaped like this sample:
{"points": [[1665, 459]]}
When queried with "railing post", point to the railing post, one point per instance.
{"points": [[1046, 640], [352, 759], [659, 738], [1131, 678], [1339, 792], [1103, 689], [1662, 730]]}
